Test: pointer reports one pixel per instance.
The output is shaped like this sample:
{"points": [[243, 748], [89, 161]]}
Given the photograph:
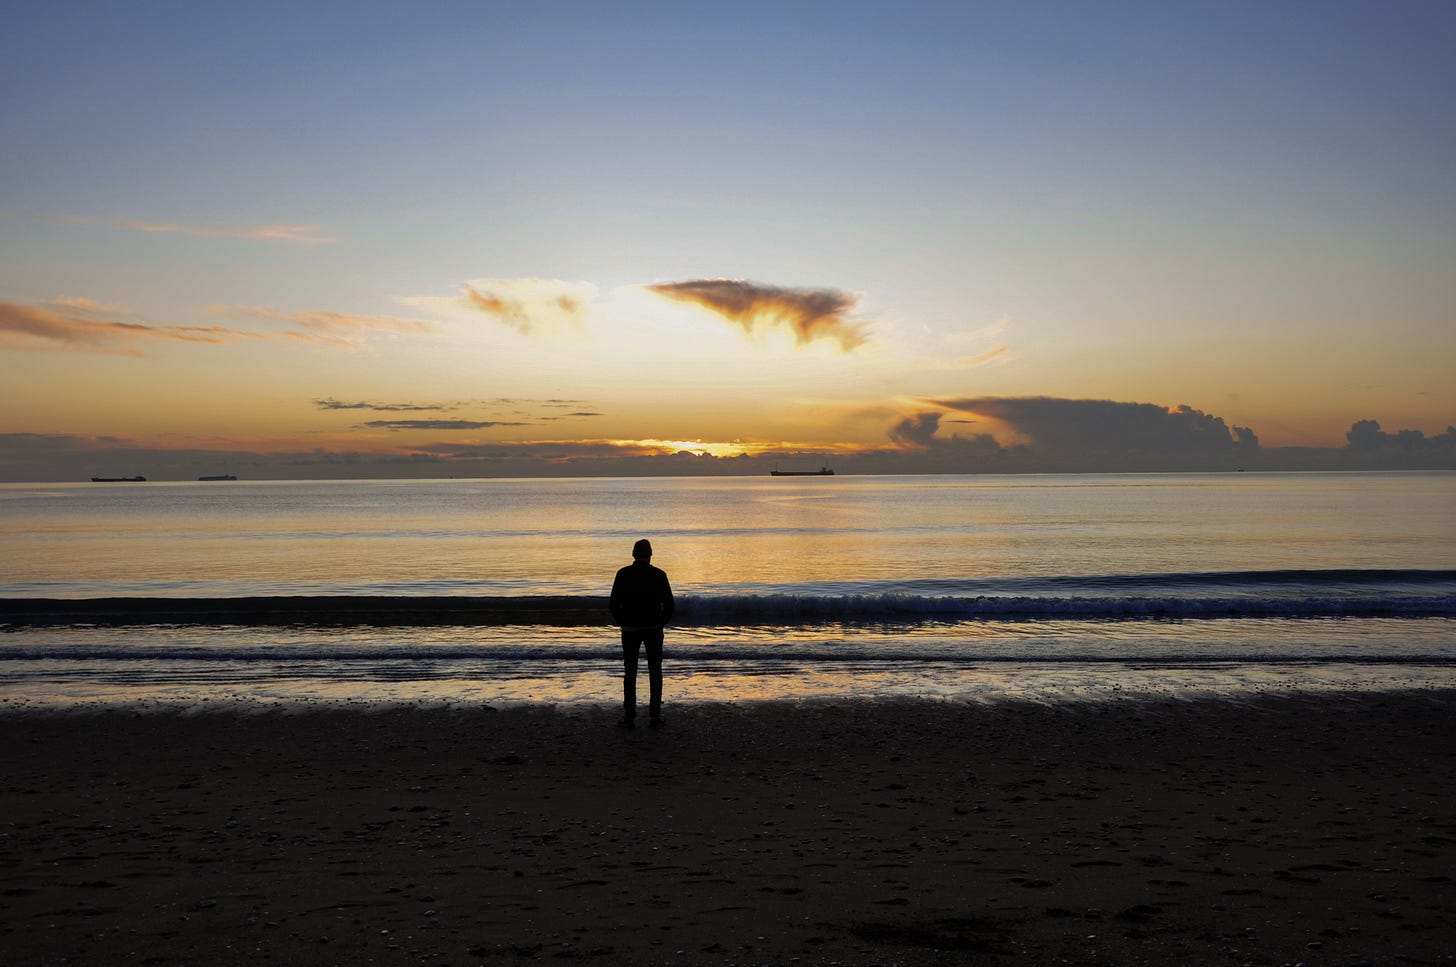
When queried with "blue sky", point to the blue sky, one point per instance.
{"points": [[1243, 208]]}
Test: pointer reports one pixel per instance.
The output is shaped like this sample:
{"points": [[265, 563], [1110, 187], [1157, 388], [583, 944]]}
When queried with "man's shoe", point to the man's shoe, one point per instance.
{"points": [[626, 724], [656, 722]]}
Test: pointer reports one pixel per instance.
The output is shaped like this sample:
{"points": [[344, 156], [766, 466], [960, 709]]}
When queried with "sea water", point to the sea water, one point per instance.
{"points": [[1056, 586]]}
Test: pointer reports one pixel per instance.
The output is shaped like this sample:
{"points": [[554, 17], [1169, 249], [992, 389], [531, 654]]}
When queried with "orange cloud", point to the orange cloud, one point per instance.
{"points": [[327, 328], [530, 305], [809, 313], [81, 325]]}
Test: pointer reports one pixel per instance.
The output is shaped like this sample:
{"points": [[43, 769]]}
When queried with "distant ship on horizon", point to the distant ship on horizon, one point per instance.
{"points": [[821, 472], [219, 476], [118, 479]]}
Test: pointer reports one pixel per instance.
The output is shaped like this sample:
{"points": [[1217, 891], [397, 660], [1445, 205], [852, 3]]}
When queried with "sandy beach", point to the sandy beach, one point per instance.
{"points": [[1279, 830]]}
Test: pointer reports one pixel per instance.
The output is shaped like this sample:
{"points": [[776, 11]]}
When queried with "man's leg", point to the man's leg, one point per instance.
{"points": [[630, 644], [653, 641]]}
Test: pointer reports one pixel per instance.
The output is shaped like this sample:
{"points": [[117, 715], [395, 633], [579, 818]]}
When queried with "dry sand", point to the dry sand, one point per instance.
{"points": [[1282, 830]]}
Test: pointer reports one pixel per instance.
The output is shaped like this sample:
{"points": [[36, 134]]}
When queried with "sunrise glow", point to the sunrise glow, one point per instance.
{"points": [[913, 241]]}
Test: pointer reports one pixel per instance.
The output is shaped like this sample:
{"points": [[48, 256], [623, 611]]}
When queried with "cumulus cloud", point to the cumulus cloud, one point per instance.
{"points": [[1108, 427], [917, 448], [81, 325], [916, 430], [809, 313], [1042, 434], [1366, 436]]}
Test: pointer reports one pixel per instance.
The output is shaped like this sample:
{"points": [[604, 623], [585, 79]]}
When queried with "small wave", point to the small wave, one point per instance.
{"points": [[1249, 594], [784, 609], [1328, 577]]}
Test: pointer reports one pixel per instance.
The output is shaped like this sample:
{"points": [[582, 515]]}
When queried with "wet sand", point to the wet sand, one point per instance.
{"points": [[1315, 829]]}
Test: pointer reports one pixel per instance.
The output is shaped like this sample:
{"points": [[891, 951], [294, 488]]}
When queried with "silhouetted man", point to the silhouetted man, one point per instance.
{"points": [[642, 604]]}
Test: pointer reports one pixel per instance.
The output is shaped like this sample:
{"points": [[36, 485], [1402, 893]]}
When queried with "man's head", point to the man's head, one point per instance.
{"points": [[642, 550]]}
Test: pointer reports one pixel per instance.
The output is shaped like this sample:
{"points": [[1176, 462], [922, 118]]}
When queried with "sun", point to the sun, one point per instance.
{"points": [[712, 449]]}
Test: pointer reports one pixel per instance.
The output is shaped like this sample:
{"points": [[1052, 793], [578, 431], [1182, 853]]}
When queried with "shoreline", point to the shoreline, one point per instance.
{"points": [[1255, 829], [594, 685]]}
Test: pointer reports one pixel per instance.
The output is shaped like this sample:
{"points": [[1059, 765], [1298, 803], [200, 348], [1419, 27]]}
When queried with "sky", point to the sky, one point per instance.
{"points": [[315, 240]]}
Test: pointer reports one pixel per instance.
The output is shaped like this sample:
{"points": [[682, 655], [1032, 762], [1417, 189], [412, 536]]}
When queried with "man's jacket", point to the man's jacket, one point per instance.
{"points": [[641, 597]]}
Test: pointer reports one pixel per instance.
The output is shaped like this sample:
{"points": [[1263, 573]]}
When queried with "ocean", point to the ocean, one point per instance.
{"points": [[1054, 587]]}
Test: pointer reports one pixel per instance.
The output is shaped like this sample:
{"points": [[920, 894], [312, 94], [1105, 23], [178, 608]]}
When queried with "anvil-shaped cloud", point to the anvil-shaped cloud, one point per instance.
{"points": [[1108, 426]]}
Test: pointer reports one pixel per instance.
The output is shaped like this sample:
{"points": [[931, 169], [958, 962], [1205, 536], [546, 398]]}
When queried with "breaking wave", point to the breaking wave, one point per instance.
{"points": [[1244, 594]]}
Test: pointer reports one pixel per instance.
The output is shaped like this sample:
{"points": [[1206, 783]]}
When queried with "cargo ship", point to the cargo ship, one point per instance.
{"points": [[219, 476], [118, 479], [821, 472]]}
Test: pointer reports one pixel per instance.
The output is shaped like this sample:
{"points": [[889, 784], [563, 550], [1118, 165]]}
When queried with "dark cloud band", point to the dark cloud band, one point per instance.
{"points": [[438, 424], [332, 404]]}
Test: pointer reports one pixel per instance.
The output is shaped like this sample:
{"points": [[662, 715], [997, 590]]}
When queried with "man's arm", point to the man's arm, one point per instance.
{"points": [[614, 603], [668, 605]]}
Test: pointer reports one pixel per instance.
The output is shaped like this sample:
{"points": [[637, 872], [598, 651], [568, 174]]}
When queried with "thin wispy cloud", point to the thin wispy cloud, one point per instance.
{"points": [[332, 404], [982, 358], [558, 417], [80, 325], [438, 424], [809, 314], [336, 329], [534, 307], [522, 413], [295, 234], [960, 350], [997, 328], [523, 401], [969, 349]]}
